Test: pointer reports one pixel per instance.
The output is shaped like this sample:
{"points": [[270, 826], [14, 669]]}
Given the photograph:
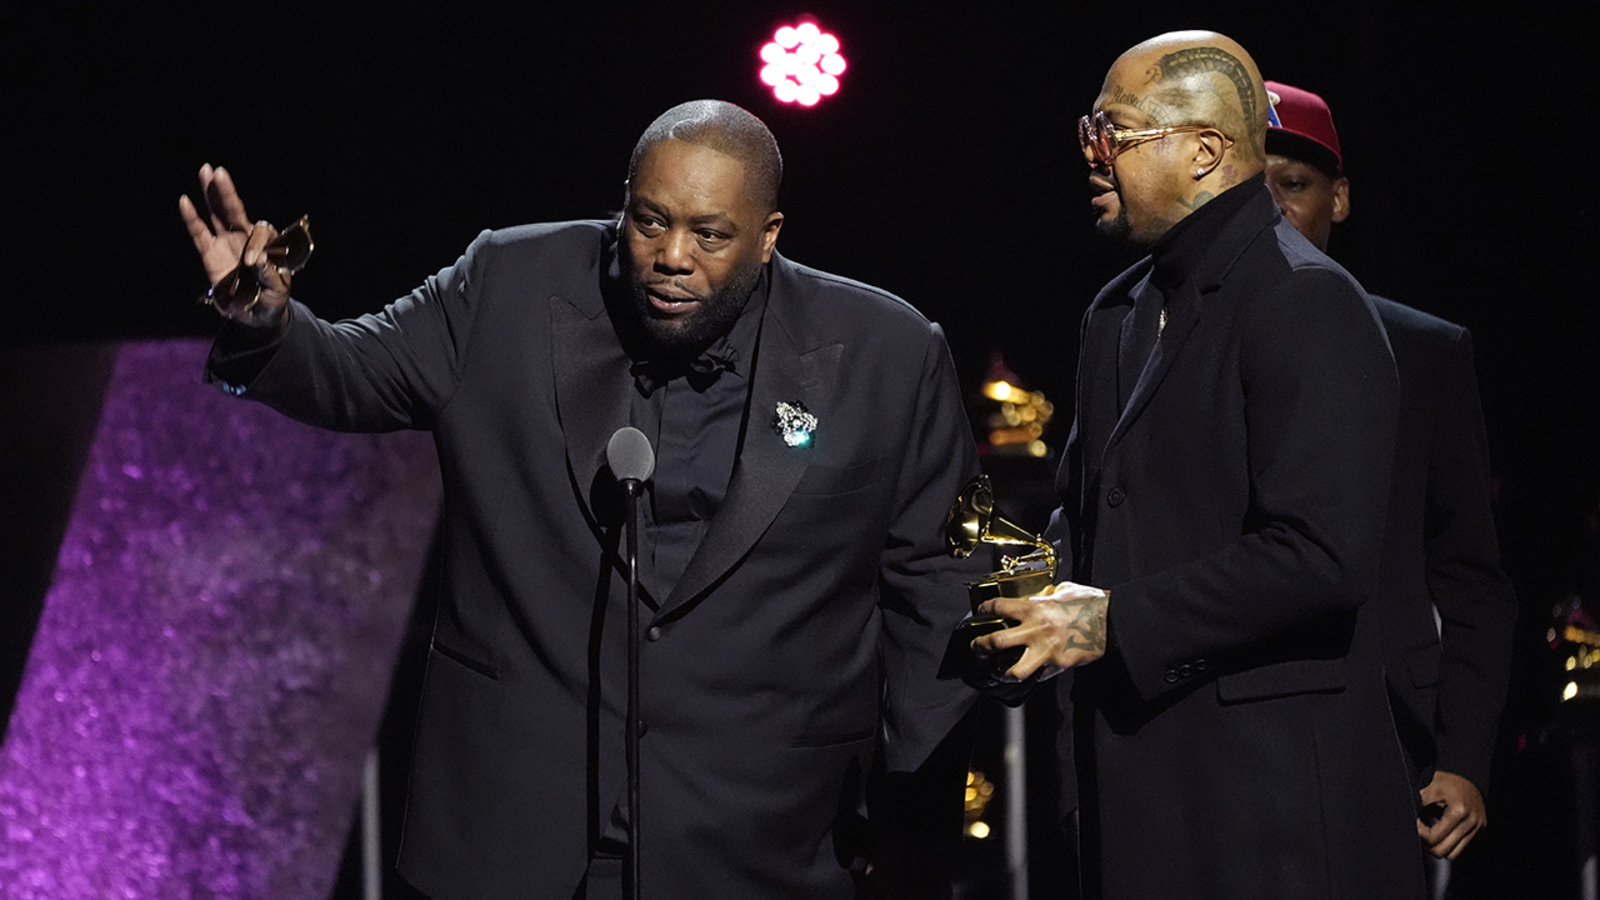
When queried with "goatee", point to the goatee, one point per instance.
{"points": [[686, 336]]}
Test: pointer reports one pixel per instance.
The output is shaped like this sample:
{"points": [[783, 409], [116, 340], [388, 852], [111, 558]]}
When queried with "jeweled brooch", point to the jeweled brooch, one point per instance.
{"points": [[794, 423]]}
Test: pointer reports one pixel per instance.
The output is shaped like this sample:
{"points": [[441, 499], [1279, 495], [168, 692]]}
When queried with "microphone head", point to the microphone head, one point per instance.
{"points": [[630, 455]]}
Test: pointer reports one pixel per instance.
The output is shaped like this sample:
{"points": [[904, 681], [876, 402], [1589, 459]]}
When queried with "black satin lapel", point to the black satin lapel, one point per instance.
{"points": [[768, 469], [592, 385], [1183, 312]]}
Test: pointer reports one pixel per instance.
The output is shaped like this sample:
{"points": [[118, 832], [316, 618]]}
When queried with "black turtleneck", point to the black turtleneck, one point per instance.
{"points": [[1174, 258], [1188, 244]]}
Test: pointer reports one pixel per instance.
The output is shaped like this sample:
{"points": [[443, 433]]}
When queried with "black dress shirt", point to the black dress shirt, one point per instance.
{"points": [[693, 413]]}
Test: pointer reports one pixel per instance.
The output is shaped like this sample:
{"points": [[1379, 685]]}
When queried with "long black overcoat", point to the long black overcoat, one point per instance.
{"points": [[1236, 740]]}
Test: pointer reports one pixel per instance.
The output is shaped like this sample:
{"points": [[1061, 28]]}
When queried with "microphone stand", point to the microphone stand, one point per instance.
{"points": [[632, 460], [632, 488]]}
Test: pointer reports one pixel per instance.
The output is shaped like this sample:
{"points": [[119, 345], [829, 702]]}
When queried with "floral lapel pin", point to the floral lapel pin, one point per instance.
{"points": [[794, 423]]}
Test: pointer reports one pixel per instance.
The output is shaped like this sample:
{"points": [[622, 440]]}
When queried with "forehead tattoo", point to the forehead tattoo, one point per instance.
{"points": [[1199, 60]]}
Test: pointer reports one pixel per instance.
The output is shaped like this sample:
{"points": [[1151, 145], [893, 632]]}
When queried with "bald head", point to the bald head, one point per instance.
{"points": [[1199, 78], [727, 129], [1187, 117]]}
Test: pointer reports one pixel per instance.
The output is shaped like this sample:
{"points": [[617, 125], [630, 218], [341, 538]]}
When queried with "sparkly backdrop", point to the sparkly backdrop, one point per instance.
{"points": [[215, 650]]}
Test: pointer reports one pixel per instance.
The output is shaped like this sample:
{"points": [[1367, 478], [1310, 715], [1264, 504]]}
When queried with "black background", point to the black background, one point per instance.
{"points": [[946, 170]]}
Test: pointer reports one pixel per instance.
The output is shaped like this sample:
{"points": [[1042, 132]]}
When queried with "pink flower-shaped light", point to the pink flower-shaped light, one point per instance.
{"points": [[802, 64]]}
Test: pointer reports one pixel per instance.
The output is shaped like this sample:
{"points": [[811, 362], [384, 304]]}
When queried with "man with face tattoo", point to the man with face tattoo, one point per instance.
{"points": [[1447, 677], [1223, 493], [809, 437]]}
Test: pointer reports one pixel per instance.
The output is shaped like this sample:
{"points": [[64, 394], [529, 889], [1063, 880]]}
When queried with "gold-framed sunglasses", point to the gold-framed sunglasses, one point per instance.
{"points": [[1104, 140], [289, 251]]}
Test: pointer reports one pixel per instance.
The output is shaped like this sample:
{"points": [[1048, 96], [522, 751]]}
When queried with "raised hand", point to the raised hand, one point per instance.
{"points": [[1061, 628], [244, 261]]}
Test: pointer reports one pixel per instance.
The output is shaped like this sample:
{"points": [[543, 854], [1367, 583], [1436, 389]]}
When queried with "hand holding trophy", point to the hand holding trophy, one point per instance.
{"points": [[974, 522]]}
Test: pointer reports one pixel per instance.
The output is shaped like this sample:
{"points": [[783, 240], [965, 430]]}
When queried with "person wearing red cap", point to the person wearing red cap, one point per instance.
{"points": [[1447, 675]]}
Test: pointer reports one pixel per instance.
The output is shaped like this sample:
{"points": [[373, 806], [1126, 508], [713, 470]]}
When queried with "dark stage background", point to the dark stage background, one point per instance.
{"points": [[946, 170]]}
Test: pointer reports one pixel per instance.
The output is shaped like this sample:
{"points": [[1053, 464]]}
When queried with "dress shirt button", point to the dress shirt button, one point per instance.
{"points": [[654, 634], [1116, 495]]}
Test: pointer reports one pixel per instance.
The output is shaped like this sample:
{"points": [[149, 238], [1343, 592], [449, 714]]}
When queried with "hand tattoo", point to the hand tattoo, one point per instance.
{"points": [[1086, 621]]}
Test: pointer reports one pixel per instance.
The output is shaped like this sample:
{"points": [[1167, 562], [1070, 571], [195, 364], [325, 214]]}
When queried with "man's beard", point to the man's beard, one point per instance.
{"points": [[686, 336], [1119, 229]]}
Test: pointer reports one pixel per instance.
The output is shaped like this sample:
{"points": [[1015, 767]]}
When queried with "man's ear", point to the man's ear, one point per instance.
{"points": [[1209, 147], [769, 234], [1341, 199]]}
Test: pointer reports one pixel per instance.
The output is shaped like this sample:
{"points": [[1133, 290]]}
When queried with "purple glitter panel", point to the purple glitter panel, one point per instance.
{"points": [[215, 650]]}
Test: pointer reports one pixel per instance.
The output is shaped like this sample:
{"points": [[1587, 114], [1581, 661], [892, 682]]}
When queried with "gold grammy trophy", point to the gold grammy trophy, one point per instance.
{"points": [[974, 522]]}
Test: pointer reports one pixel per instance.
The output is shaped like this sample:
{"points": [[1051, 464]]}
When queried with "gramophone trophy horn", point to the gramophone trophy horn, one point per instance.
{"points": [[974, 522]]}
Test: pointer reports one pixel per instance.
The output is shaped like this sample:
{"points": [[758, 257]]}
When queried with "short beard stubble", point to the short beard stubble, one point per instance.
{"points": [[684, 337]]}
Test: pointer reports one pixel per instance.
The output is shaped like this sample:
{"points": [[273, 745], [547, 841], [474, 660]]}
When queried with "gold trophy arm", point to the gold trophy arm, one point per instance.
{"points": [[974, 522]]}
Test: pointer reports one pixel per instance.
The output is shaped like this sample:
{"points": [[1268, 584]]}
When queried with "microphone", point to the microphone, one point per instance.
{"points": [[630, 457]]}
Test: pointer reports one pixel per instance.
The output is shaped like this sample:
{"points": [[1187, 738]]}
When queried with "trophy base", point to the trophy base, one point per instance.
{"points": [[959, 660], [1018, 584]]}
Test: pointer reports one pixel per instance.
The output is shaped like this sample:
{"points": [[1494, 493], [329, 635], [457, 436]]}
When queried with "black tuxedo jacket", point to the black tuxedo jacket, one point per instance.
{"points": [[1236, 740], [1440, 553], [805, 630]]}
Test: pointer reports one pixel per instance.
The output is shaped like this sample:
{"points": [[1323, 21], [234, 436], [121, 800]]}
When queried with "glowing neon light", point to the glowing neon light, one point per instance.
{"points": [[802, 64]]}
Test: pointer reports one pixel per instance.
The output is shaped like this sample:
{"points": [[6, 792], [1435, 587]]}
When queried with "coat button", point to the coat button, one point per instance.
{"points": [[1201, 665], [654, 634], [1186, 671], [1116, 495], [1172, 676]]}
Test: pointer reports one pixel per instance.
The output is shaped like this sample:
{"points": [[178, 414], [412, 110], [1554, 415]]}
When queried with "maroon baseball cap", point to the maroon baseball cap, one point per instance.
{"points": [[1300, 126]]}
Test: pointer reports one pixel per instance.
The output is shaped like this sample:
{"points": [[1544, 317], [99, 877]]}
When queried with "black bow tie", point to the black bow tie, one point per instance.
{"points": [[702, 371]]}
